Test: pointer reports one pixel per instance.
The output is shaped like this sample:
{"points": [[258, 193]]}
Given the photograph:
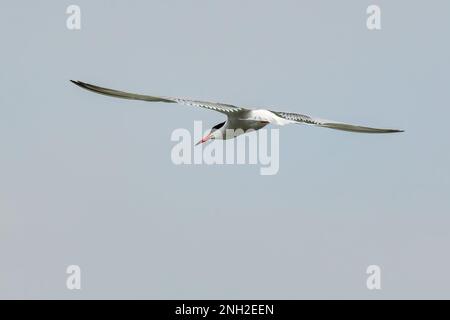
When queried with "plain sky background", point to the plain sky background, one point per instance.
{"points": [[87, 179]]}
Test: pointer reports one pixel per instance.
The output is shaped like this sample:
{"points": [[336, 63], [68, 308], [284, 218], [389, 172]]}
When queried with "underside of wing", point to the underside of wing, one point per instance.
{"points": [[220, 107], [300, 118]]}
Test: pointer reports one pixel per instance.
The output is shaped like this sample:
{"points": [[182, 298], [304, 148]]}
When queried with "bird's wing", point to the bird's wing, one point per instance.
{"points": [[301, 118], [220, 107]]}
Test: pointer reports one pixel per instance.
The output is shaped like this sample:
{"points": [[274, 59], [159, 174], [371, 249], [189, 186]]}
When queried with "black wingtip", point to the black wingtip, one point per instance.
{"points": [[79, 83]]}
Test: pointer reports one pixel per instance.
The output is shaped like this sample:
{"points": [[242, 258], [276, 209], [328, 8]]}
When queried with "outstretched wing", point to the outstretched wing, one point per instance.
{"points": [[301, 118], [220, 107]]}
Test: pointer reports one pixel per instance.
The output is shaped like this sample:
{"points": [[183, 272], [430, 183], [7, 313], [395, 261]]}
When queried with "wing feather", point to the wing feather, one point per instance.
{"points": [[301, 118], [220, 107]]}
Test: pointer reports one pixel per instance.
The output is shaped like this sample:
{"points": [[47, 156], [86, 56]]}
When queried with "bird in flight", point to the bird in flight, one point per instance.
{"points": [[239, 119]]}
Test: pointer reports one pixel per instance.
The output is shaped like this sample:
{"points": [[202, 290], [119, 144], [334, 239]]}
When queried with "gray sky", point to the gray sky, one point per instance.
{"points": [[87, 179]]}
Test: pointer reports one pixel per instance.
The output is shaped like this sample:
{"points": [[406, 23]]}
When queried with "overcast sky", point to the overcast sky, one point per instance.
{"points": [[88, 180]]}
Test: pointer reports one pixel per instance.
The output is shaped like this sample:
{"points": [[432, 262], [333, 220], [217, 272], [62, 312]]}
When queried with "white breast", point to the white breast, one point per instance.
{"points": [[266, 115]]}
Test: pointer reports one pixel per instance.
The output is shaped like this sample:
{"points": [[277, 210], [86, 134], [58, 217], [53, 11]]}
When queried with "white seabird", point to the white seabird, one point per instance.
{"points": [[239, 119]]}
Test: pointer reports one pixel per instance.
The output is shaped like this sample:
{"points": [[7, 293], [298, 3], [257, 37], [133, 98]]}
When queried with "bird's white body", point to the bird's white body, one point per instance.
{"points": [[267, 116], [241, 122]]}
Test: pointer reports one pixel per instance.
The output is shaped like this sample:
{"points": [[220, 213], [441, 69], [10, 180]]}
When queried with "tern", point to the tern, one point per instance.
{"points": [[239, 119]]}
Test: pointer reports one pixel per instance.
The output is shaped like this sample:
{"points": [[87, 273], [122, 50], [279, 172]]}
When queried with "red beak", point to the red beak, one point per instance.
{"points": [[204, 139]]}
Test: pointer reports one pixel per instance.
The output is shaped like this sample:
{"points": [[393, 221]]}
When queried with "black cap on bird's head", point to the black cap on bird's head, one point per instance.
{"points": [[211, 135]]}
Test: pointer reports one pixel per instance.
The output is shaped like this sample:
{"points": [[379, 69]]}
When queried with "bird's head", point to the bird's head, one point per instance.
{"points": [[214, 133]]}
